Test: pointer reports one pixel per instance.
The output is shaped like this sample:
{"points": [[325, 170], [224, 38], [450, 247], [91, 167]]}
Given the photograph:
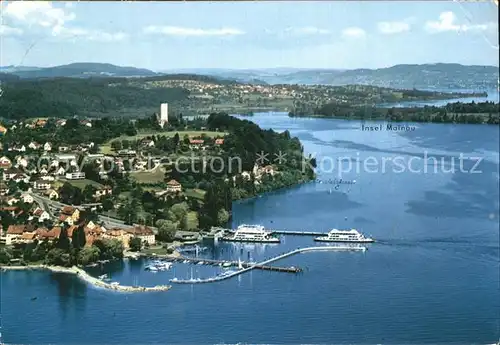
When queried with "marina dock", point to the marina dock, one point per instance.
{"points": [[265, 263], [299, 233], [217, 232]]}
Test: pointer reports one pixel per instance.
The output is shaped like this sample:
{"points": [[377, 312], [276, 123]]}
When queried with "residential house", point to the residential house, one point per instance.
{"points": [[18, 148], [12, 200], [43, 234], [144, 233], [51, 194], [41, 215], [75, 176], [3, 130], [196, 143], [21, 177], [69, 215], [147, 143], [93, 232], [27, 198], [61, 122], [173, 186], [47, 147], [26, 237], [86, 123], [42, 185], [60, 171], [47, 177], [11, 173], [34, 145], [4, 189], [119, 234], [40, 123], [102, 191], [5, 163], [21, 161], [219, 141], [16, 231]]}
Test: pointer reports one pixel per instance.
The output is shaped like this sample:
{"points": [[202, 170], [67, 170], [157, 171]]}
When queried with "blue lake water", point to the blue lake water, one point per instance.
{"points": [[432, 277]]}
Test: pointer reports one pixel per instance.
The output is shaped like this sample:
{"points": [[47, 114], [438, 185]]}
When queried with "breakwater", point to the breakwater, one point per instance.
{"points": [[89, 279]]}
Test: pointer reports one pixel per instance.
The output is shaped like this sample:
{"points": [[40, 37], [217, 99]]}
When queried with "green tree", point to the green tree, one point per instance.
{"points": [[166, 230], [63, 241], [222, 217], [89, 255], [58, 257], [78, 238], [135, 244]]}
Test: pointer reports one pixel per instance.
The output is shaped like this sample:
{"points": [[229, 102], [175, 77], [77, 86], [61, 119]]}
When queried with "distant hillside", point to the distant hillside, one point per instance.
{"points": [[427, 76], [447, 76], [83, 70], [66, 97]]}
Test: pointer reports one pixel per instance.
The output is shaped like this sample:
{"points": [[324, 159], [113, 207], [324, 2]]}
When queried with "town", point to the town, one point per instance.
{"points": [[83, 182]]}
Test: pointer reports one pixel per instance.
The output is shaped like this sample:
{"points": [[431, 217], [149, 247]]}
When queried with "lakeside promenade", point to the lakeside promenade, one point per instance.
{"points": [[88, 278]]}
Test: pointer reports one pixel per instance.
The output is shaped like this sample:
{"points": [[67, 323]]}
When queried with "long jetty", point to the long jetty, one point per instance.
{"points": [[266, 262], [235, 263]]}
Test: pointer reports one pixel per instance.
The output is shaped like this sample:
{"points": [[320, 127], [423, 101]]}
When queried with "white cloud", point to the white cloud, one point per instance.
{"points": [[8, 31], [389, 28], [447, 22], [353, 32], [37, 13], [308, 30], [43, 17], [182, 31]]}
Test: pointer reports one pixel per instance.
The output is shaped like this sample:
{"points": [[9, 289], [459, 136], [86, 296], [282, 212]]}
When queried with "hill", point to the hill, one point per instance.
{"points": [[82, 70], [66, 97], [426, 76]]}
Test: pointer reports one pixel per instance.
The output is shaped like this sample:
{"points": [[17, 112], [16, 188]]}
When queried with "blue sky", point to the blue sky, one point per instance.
{"points": [[163, 36]]}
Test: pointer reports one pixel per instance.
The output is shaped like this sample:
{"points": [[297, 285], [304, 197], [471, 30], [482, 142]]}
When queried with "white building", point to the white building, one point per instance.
{"points": [[75, 176], [163, 114]]}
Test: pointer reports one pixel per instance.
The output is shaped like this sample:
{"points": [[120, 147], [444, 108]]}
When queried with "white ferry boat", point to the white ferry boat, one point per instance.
{"points": [[251, 233], [352, 235]]}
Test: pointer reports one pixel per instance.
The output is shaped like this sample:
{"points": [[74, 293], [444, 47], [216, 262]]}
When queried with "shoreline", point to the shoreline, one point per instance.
{"points": [[80, 273]]}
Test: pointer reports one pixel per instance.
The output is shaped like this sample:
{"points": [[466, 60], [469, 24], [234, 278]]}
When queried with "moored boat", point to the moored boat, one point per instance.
{"points": [[251, 233], [352, 236]]}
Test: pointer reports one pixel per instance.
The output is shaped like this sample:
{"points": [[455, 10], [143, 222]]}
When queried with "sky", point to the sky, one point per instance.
{"points": [[249, 35]]}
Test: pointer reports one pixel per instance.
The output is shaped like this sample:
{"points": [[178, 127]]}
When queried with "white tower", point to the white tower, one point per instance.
{"points": [[163, 114]]}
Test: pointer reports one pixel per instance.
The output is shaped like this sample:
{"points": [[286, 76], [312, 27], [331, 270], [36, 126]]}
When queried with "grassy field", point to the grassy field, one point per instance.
{"points": [[106, 147], [155, 176], [81, 183], [195, 193]]}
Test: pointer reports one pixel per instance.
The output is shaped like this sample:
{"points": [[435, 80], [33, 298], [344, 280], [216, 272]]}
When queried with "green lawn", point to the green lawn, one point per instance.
{"points": [[106, 147], [82, 183], [155, 176], [195, 193]]}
